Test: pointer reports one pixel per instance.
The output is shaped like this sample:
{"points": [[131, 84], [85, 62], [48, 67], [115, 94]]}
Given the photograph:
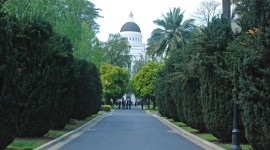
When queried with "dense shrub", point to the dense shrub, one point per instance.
{"points": [[63, 81], [216, 89], [7, 85], [87, 90], [107, 108], [95, 89], [165, 102], [35, 60], [248, 57], [192, 107]]}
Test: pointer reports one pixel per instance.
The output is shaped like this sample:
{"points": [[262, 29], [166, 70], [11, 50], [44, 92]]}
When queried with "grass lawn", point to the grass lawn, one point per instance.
{"points": [[25, 144], [32, 143], [228, 145], [207, 136]]}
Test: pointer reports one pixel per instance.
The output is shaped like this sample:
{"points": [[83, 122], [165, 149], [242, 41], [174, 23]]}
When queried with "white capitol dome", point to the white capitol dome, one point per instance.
{"points": [[132, 32]]}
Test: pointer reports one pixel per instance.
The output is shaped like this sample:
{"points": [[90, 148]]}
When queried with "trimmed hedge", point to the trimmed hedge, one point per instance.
{"points": [[8, 99], [249, 55], [37, 83], [87, 90], [63, 80]]}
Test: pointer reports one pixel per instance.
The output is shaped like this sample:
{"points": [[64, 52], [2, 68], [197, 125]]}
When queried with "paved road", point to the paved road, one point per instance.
{"points": [[129, 130]]}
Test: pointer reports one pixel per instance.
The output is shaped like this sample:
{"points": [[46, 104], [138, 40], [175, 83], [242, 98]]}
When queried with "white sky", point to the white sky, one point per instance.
{"points": [[116, 12]]}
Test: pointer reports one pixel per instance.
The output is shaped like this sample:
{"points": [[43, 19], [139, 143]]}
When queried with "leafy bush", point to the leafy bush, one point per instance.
{"points": [[249, 57], [88, 91], [106, 108], [37, 83], [216, 89], [8, 100], [63, 80], [165, 103]]}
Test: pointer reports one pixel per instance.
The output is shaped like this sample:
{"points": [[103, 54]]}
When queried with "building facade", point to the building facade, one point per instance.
{"points": [[132, 32]]}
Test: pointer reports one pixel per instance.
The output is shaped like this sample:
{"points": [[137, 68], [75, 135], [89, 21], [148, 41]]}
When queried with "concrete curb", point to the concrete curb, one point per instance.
{"points": [[70, 135], [191, 137]]}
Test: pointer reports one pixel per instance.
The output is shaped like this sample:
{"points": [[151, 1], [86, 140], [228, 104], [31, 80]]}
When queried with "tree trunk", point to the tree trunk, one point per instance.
{"points": [[226, 6]]}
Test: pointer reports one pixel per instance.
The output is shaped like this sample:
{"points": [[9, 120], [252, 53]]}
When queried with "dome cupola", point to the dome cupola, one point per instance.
{"points": [[130, 25]]}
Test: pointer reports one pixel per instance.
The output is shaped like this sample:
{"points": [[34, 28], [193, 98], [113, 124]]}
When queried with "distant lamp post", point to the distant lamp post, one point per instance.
{"points": [[235, 132], [106, 97]]}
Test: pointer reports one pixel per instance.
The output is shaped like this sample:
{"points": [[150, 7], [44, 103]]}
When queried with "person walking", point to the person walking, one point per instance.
{"points": [[123, 103], [142, 103], [119, 104], [129, 103]]}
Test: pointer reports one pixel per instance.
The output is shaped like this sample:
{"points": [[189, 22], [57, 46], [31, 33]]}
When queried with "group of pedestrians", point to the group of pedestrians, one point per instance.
{"points": [[126, 104]]}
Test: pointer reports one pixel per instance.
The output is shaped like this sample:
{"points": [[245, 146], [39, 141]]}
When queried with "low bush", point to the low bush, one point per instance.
{"points": [[106, 108]]}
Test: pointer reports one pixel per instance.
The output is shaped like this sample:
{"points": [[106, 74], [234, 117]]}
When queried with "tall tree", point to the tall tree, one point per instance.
{"points": [[73, 19], [171, 34], [117, 51], [248, 55], [8, 88], [226, 7], [117, 81], [143, 82], [139, 64], [206, 11]]}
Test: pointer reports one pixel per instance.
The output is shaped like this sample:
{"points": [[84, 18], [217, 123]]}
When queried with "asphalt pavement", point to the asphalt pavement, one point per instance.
{"points": [[123, 129]]}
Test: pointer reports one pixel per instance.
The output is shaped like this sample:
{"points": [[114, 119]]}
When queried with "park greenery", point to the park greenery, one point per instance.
{"points": [[143, 82], [53, 69], [114, 81], [201, 78], [43, 83]]}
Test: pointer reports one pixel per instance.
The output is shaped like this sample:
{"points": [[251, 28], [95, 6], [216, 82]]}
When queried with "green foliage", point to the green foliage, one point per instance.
{"points": [[88, 91], [72, 19], [7, 85], [138, 64], [216, 89], [249, 56], [143, 82], [107, 108], [63, 79], [36, 64], [117, 81], [207, 136], [171, 35], [117, 51], [25, 144]]}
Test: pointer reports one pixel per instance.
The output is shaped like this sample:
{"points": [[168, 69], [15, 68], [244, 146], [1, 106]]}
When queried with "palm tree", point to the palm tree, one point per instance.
{"points": [[171, 35]]}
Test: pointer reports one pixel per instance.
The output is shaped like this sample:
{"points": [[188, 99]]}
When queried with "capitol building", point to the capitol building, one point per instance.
{"points": [[132, 32]]}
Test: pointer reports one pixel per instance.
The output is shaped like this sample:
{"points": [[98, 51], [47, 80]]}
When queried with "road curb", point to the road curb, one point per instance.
{"points": [[69, 134], [191, 137]]}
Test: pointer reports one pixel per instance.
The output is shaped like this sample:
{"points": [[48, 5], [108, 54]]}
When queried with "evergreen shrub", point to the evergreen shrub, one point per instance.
{"points": [[8, 99], [249, 54], [35, 63], [87, 90], [63, 81]]}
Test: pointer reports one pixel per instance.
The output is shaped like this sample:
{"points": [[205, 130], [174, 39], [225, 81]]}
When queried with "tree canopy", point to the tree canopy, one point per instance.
{"points": [[117, 81], [72, 19], [171, 35], [117, 51], [143, 83]]}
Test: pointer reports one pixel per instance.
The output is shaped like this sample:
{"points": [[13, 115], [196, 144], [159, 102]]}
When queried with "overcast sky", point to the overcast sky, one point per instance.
{"points": [[115, 13]]}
